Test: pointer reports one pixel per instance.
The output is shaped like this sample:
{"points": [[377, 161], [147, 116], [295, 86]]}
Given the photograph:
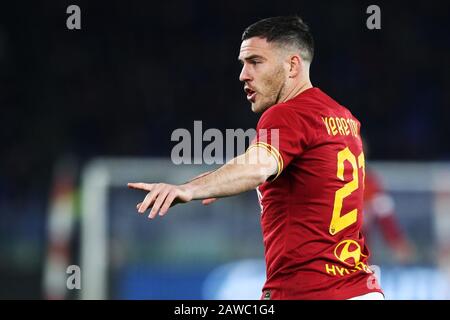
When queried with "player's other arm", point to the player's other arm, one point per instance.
{"points": [[240, 174]]}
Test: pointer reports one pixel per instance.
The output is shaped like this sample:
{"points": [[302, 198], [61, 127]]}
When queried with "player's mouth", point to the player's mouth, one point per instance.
{"points": [[251, 94]]}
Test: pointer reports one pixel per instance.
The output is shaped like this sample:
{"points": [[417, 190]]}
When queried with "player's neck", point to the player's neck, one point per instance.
{"points": [[297, 89]]}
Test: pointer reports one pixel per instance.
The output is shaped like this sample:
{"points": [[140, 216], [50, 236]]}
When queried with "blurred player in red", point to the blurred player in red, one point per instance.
{"points": [[307, 164], [379, 211]]}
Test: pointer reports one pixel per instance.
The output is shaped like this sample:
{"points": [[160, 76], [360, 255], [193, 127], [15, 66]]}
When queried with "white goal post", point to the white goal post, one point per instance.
{"points": [[96, 178]]}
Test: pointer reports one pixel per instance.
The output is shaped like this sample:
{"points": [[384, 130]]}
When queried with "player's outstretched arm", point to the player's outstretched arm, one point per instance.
{"points": [[240, 174], [209, 200]]}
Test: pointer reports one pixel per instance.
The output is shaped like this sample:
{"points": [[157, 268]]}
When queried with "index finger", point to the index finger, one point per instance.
{"points": [[141, 186]]}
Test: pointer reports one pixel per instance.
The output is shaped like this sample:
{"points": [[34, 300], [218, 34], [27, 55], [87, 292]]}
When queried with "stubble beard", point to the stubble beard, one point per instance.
{"points": [[275, 88]]}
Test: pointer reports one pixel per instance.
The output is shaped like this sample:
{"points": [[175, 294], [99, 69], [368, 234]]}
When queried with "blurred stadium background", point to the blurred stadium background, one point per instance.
{"points": [[83, 112]]}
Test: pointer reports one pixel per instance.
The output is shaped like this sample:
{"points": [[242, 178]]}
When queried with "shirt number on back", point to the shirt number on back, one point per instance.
{"points": [[341, 221]]}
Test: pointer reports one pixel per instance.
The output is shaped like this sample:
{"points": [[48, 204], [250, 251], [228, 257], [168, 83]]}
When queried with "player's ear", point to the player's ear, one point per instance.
{"points": [[295, 66]]}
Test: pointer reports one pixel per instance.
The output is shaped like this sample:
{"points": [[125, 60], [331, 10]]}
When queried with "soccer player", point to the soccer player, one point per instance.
{"points": [[379, 210], [307, 164]]}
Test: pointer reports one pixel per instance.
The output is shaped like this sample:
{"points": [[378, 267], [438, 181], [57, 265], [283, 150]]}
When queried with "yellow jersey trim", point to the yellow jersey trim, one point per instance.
{"points": [[274, 152]]}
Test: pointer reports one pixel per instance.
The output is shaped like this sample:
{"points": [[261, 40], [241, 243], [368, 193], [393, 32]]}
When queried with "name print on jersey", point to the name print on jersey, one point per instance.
{"points": [[341, 126]]}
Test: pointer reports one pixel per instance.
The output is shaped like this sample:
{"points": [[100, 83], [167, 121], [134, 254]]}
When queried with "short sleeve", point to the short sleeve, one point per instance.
{"points": [[280, 131]]}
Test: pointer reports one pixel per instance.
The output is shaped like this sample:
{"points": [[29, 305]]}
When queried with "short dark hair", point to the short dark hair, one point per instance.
{"points": [[285, 30]]}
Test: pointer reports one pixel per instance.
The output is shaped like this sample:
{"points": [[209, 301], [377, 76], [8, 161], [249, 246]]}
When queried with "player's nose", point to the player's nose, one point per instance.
{"points": [[245, 75]]}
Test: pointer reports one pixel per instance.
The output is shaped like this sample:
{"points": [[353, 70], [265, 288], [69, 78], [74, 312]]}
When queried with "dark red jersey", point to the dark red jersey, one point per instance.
{"points": [[312, 208]]}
